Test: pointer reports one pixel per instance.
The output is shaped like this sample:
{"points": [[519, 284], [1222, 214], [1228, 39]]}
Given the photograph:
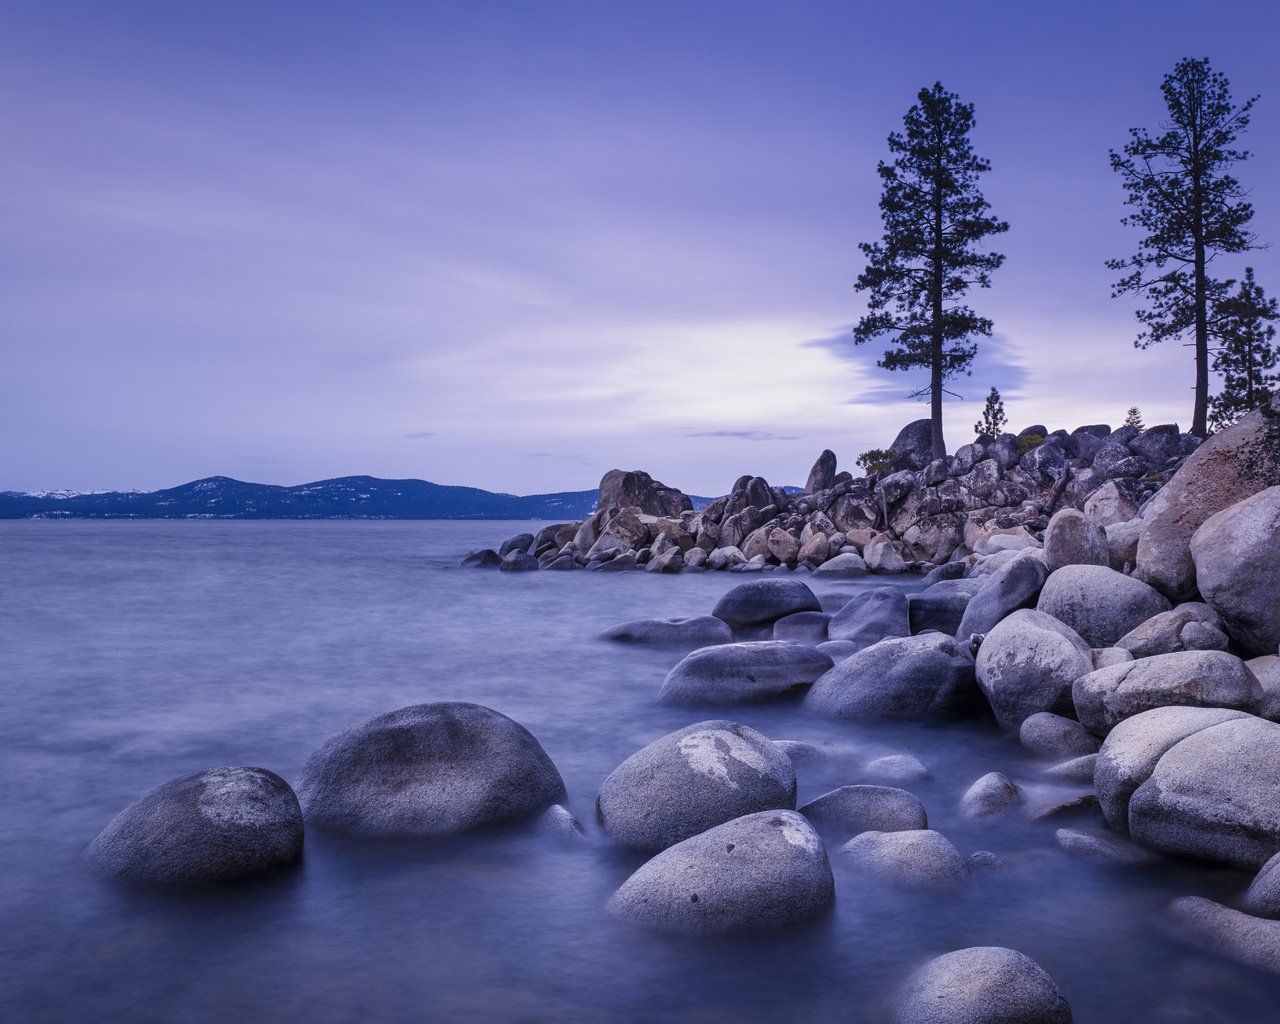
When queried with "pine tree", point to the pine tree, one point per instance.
{"points": [[993, 417], [1133, 418], [1191, 210], [934, 216], [1246, 355]]}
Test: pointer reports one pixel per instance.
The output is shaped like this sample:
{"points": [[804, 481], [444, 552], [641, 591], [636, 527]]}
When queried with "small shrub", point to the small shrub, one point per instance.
{"points": [[1133, 418], [1025, 444], [993, 417], [876, 461]]}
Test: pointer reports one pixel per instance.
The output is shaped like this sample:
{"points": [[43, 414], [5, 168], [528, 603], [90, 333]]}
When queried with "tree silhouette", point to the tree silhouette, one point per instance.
{"points": [[1190, 208], [934, 216], [1246, 355], [993, 417]]}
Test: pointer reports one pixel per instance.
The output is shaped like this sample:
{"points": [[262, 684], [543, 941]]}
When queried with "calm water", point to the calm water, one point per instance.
{"points": [[134, 652]]}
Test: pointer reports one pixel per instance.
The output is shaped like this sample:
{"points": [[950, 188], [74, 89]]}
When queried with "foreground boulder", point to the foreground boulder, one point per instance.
{"points": [[875, 614], [428, 770], [761, 601], [915, 859], [1048, 735], [1251, 940], [697, 631], [1072, 538], [208, 826], [691, 780], [742, 673], [1227, 468], [1189, 627], [915, 677], [1027, 664], [1237, 559], [1016, 585], [853, 809], [1100, 604], [982, 985], [757, 872], [1201, 679]]}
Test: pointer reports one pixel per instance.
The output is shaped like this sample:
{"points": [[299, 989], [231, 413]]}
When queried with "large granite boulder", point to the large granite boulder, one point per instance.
{"points": [[1237, 559], [620, 488], [1048, 735], [942, 606], [762, 601], [742, 673], [982, 985], [691, 780], [802, 627], [1072, 538], [875, 614], [1250, 940], [1263, 897], [915, 677], [428, 770], [1229, 467], [1200, 679], [913, 447], [1016, 585], [823, 473], [695, 631], [853, 809], [1111, 504], [1189, 627], [915, 859], [756, 872], [1100, 604], [208, 826], [1027, 664]]}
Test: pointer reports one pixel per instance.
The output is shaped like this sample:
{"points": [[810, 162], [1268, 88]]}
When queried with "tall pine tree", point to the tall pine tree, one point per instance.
{"points": [[1191, 210], [1245, 357], [934, 216]]}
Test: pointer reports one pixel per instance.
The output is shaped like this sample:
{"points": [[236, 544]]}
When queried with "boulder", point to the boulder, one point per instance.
{"points": [[916, 859], [1199, 679], [1250, 940], [982, 985], [942, 605], [485, 558], [208, 826], [1078, 769], [883, 557], [783, 546], [898, 768], [696, 631], [1188, 627], [915, 677], [756, 872], [1106, 656], [621, 532], [520, 542], [1267, 671], [1111, 504], [1122, 544], [913, 447], [669, 561], [742, 673], [1158, 444], [1099, 603], [518, 561], [691, 780], [1048, 735], [815, 549], [802, 627], [1212, 795], [875, 614], [1015, 586], [1226, 469], [1130, 753], [761, 601], [992, 794], [1027, 664], [844, 564], [1101, 848], [1263, 897], [823, 473], [428, 770], [1237, 561], [850, 810], [636, 489], [1072, 538]]}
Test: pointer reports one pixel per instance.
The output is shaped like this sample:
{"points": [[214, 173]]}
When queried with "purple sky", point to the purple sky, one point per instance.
{"points": [[514, 245]]}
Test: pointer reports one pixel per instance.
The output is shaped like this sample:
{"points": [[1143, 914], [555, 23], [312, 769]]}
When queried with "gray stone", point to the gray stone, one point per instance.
{"points": [[520, 542], [762, 601], [917, 859], [1104, 657], [669, 561], [1200, 679], [742, 673], [1072, 538], [1078, 769], [838, 650], [485, 558], [1101, 848], [428, 770], [1048, 735], [518, 561], [873, 615], [802, 627], [1158, 444], [916, 677], [853, 809], [994, 793], [1237, 561], [208, 826], [1266, 670], [1028, 663], [942, 605], [1099, 603], [698, 631], [844, 565], [823, 473], [913, 446], [1017, 585], [1130, 753], [1263, 897], [883, 557], [1250, 940], [948, 571], [982, 985], [755, 872], [1188, 627], [636, 489], [1122, 544], [1110, 504], [691, 780], [898, 768], [1229, 467]]}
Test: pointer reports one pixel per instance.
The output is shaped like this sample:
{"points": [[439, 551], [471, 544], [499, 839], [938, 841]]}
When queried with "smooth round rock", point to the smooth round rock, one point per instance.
{"points": [[762, 601], [428, 770], [919, 859], [754, 873], [208, 826], [1263, 897], [1048, 735], [1072, 538], [873, 615], [942, 606], [1027, 664], [691, 780], [742, 673], [1101, 849], [994, 793], [853, 809], [1016, 585], [915, 677], [898, 768], [1189, 627], [802, 627], [696, 631], [982, 985], [1250, 940], [1100, 604]]}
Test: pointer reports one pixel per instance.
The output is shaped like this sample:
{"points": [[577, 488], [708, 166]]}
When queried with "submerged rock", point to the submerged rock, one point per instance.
{"points": [[761, 601], [854, 809], [1250, 940], [914, 677], [742, 673], [982, 985], [1048, 735], [1101, 848], [920, 858], [699, 631], [994, 793], [898, 768], [875, 614]]}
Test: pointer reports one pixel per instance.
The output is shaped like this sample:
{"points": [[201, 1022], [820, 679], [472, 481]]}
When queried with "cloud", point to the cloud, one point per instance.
{"points": [[420, 434], [744, 435]]}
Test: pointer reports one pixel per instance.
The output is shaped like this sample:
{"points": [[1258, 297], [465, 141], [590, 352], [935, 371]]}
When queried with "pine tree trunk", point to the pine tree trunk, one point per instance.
{"points": [[1199, 414], [935, 363]]}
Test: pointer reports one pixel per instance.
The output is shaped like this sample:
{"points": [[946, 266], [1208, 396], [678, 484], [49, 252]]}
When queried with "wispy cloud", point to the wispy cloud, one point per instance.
{"points": [[744, 435], [420, 434]]}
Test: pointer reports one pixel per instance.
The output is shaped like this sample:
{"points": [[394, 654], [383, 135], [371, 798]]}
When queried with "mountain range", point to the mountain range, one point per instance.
{"points": [[348, 497]]}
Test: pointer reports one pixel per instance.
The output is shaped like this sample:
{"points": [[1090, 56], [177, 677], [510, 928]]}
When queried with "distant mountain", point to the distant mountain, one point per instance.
{"points": [[348, 497]]}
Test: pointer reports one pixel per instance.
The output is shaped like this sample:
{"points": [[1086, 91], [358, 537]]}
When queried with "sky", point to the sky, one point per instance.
{"points": [[513, 245]]}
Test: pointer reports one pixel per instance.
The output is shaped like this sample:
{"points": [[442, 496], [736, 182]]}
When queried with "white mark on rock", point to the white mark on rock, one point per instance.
{"points": [[797, 833], [709, 752], [236, 796]]}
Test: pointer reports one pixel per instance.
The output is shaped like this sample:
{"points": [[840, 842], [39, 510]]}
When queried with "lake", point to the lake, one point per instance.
{"points": [[133, 652]]}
